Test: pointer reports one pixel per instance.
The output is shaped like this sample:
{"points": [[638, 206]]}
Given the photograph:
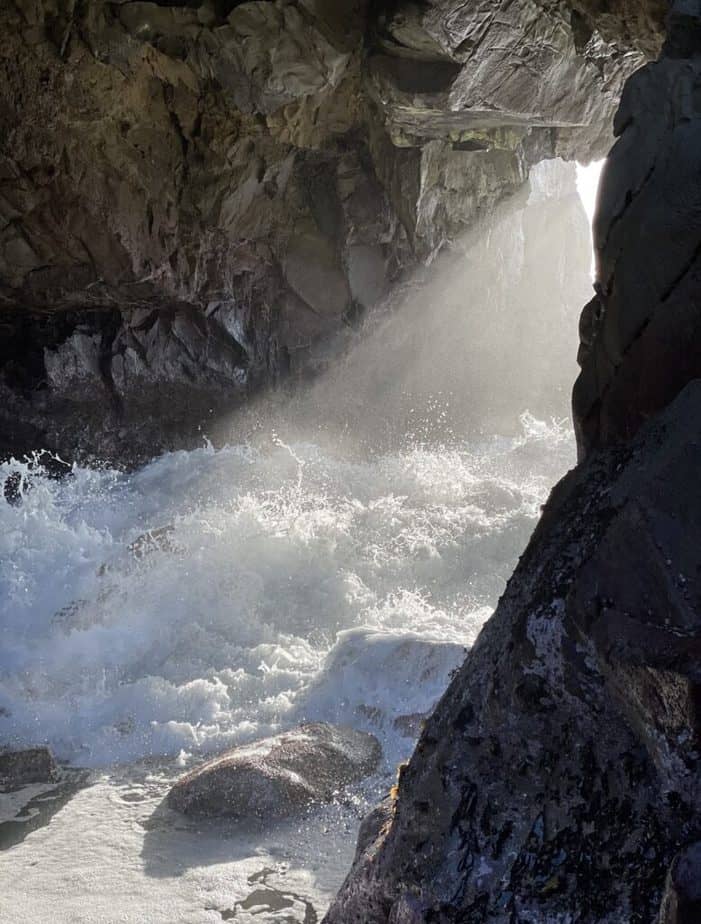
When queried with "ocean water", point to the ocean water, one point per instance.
{"points": [[218, 595], [213, 597]]}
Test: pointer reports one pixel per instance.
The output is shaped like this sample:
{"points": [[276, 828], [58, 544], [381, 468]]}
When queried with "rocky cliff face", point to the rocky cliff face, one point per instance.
{"points": [[559, 778], [641, 334], [196, 196]]}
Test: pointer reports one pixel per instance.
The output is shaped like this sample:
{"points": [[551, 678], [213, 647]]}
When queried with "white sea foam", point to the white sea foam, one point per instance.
{"points": [[337, 567], [192, 604]]}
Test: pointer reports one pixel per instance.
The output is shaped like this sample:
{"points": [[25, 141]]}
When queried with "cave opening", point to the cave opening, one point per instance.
{"points": [[289, 301]]}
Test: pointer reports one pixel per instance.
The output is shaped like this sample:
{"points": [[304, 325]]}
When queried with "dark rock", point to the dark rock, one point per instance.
{"points": [[561, 768], [30, 765], [14, 488], [277, 777], [19, 482], [682, 899], [196, 199], [641, 337]]}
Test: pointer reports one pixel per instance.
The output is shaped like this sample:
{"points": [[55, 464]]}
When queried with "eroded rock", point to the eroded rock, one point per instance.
{"points": [[560, 774], [278, 777], [641, 335], [28, 765], [196, 199]]}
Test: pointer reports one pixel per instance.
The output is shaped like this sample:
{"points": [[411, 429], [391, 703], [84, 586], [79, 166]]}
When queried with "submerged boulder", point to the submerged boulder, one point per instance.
{"points": [[29, 765], [277, 777]]}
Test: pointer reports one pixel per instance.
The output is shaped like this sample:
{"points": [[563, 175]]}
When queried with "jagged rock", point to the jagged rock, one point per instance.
{"points": [[29, 765], [459, 70], [641, 335], [560, 774], [279, 776], [196, 198], [639, 21]]}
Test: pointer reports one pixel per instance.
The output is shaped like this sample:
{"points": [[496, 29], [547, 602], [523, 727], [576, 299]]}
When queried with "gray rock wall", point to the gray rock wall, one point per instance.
{"points": [[641, 334], [196, 197]]}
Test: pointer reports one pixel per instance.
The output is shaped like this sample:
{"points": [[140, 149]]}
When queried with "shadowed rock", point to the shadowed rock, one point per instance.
{"points": [[199, 198], [682, 899], [277, 777], [641, 335], [29, 765], [560, 774]]}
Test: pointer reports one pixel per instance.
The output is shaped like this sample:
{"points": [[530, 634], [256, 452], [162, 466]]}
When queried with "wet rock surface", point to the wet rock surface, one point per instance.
{"points": [[277, 777], [29, 765], [196, 198], [559, 776]]}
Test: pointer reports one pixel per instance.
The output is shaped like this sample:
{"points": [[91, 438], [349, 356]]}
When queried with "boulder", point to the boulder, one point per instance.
{"points": [[29, 765], [279, 776]]}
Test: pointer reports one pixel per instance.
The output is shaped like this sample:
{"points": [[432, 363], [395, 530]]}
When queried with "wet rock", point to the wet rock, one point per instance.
{"points": [[560, 773], [277, 777], [29, 765], [14, 488], [18, 483]]}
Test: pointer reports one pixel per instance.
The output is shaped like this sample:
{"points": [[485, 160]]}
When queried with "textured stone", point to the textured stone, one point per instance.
{"points": [[278, 777], [30, 765], [559, 776], [682, 899], [501, 66], [196, 198], [641, 335]]}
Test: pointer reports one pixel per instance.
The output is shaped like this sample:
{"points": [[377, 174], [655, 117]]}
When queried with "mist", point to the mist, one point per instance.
{"points": [[335, 545], [484, 333]]}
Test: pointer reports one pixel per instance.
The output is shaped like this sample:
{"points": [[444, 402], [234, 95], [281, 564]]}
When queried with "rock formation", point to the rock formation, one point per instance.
{"points": [[197, 196], [29, 765], [277, 777], [559, 779], [641, 334]]}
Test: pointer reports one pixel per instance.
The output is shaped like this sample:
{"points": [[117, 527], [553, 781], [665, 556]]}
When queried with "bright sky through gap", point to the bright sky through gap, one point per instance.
{"points": [[587, 186]]}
